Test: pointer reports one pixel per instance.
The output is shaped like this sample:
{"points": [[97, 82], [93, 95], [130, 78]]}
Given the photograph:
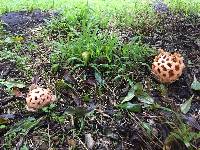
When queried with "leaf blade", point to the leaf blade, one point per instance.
{"points": [[130, 107], [195, 84], [129, 96], [185, 107]]}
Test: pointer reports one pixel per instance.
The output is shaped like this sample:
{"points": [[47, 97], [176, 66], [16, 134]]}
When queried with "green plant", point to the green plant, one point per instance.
{"points": [[183, 133], [136, 51], [97, 45], [184, 6], [20, 129], [21, 61], [10, 84]]}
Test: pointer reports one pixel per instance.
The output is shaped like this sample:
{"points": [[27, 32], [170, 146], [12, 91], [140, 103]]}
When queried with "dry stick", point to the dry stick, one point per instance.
{"points": [[82, 143], [49, 136]]}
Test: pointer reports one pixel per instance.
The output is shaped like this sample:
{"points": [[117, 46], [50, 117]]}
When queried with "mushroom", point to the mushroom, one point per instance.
{"points": [[38, 97], [167, 67]]}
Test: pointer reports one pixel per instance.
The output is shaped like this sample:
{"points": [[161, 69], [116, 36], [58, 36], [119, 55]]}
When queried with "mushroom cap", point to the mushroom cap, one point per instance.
{"points": [[167, 67], [38, 98]]}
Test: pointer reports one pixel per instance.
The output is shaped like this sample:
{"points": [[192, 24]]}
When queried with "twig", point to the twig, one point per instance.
{"points": [[49, 136], [85, 147]]}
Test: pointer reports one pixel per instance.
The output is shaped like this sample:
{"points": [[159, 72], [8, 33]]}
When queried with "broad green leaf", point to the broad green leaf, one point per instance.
{"points": [[86, 98], [130, 95], [99, 78], [75, 59], [22, 127], [48, 108], [1, 42], [138, 91], [138, 87], [2, 126], [145, 98], [142, 95], [10, 84], [185, 107], [24, 147], [130, 107], [195, 84]]}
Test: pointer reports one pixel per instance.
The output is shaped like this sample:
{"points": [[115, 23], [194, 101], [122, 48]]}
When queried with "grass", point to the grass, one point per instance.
{"points": [[85, 30], [103, 10], [186, 6], [87, 22]]}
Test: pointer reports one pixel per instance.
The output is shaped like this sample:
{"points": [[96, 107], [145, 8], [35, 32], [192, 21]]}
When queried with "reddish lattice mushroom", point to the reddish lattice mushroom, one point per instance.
{"points": [[168, 67], [38, 97]]}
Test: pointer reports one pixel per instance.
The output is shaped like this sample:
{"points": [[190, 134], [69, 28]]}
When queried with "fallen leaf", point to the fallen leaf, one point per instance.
{"points": [[3, 121], [130, 107], [35, 80], [16, 92], [69, 78], [78, 111], [89, 141], [185, 107], [195, 84], [71, 142], [90, 81]]}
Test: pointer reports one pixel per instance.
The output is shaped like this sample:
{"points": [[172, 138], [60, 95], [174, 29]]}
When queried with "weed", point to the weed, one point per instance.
{"points": [[19, 130], [97, 45], [184, 134], [184, 6], [21, 62]]}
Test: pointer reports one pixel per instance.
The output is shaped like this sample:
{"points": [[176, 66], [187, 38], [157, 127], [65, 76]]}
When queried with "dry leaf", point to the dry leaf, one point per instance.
{"points": [[16, 92]]}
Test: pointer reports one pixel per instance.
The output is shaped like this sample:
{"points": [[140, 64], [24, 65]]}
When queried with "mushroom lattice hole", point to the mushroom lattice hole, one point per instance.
{"points": [[167, 67], [38, 98]]}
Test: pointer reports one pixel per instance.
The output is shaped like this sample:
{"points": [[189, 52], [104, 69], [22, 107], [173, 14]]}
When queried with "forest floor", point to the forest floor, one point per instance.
{"points": [[46, 48]]}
